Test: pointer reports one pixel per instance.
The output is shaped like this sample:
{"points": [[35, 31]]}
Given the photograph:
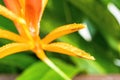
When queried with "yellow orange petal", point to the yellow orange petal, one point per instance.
{"points": [[22, 3], [13, 48], [44, 3], [10, 15], [13, 5], [19, 22], [33, 9], [10, 35], [68, 49], [41, 55], [63, 30]]}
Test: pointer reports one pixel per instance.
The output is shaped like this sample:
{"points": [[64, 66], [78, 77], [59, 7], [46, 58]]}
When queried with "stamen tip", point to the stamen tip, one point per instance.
{"points": [[92, 58]]}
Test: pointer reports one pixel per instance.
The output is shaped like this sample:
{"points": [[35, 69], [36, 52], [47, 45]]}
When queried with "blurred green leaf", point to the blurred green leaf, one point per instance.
{"points": [[116, 2], [89, 67], [19, 61], [100, 52], [103, 28], [41, 71], [6, 23], [101, 17], [99, 47]]}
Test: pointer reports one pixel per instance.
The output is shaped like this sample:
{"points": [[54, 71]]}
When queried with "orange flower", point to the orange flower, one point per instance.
{"points": [[26, 15]]}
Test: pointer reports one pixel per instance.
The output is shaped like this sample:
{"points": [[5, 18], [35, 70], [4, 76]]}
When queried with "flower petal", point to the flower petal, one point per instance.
{"points": [[68, 49], [19, 22], [11, 36], [13, 48], [10, 15], [41, 55], [44, 5], [14, 6], [63, 30], [33, 10], [22, 4]]}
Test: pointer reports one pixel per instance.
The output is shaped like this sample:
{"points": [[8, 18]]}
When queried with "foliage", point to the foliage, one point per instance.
{"points": [[104, 46]]}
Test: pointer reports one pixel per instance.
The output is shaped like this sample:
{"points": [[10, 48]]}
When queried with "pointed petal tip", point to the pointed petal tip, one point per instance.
{"points": [[85, 55], [89, 57], [79, 25], [92, 58]]}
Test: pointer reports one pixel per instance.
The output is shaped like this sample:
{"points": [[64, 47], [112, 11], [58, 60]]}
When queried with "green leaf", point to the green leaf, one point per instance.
{"points": [[6, 23], [98, 47], [102, 18], [99, 50], [89, 67], [19, 61], [61, 12], [116, 2], [40, 71]]}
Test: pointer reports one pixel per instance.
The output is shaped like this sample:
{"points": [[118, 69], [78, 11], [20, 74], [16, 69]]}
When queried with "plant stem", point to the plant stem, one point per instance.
{"points": [[56, 69], [44, 58]]}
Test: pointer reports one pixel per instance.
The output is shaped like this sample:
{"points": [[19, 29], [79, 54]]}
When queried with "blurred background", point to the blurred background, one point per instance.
{"points": [[100, 38]]}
